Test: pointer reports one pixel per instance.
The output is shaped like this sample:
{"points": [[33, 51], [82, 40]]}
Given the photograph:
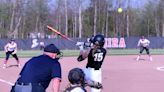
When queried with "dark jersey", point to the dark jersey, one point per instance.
{"points": [[40, 69], [96, 58]]}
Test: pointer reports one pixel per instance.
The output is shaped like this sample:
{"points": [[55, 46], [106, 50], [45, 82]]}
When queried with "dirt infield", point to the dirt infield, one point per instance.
{"points": [[120, 73]]}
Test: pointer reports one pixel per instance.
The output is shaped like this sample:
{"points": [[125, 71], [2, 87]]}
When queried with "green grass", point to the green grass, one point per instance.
{"points": [[31, 53], [133, 51]]}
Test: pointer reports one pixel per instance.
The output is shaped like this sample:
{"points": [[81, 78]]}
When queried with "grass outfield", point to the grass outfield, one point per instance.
{"points": [[30, 53]]}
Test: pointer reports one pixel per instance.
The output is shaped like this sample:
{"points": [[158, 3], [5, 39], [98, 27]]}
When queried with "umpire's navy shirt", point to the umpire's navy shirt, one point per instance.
{"points": [[40, 69]]}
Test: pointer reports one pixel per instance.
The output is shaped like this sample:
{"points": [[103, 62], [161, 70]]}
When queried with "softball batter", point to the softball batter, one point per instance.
{"points": [[95, 55]]}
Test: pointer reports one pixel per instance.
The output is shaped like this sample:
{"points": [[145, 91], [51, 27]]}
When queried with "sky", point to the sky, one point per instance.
{"points": [[123, 3], [133, 3]]}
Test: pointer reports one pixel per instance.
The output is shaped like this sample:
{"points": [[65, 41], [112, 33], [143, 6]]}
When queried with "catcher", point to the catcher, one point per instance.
{"points": [[78, 82]]}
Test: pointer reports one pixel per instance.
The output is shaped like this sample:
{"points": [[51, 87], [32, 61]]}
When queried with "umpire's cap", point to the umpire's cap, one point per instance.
{"points": [[51, 48]]}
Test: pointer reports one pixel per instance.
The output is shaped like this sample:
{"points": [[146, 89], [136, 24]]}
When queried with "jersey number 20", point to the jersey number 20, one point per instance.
{"points": [[98, 56]]}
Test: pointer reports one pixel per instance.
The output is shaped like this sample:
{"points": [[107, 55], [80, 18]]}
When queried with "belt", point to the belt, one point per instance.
{"points": [[21, 83], [93, 68]]}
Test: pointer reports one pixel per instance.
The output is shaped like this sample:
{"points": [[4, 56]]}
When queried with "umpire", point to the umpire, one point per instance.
{"points": [[39, 71]]}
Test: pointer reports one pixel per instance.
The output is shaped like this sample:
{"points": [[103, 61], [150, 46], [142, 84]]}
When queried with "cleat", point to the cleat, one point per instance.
{"points": [[150, 59], [4, 66], [19, 66], [138, 58]]}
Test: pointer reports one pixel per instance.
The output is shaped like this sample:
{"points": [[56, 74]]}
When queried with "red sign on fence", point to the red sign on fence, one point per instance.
{"points": [[122, 43], [115, 43]]}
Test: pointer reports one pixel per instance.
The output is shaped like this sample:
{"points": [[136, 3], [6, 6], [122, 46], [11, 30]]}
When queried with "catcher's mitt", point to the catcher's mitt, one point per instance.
{"points": [[93, 84]]}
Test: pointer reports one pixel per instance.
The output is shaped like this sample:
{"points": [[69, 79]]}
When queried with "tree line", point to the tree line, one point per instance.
{"points": [[81, 18]]}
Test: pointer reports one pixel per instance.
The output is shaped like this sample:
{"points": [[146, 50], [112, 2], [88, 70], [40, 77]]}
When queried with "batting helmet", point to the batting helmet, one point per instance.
{"points": [[99, 40], [91, 39], [76, 76]]}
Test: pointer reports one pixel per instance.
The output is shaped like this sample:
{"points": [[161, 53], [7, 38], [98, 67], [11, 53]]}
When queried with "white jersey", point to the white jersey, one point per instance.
{"points": [[77, 89], [94, 75], [11, 47], [143, 42]]}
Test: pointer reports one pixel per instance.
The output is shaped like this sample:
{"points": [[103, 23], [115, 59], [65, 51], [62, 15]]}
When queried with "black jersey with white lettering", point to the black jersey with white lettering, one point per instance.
{"points": [[96, 58]]}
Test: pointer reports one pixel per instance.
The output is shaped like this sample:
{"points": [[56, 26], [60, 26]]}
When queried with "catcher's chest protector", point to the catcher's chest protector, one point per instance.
{"points": [[69, 89]]}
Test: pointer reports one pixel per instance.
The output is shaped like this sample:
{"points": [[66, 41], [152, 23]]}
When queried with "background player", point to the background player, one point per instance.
{"points": [[143, 43], [11, 49], [95, 55], [42, 45]]}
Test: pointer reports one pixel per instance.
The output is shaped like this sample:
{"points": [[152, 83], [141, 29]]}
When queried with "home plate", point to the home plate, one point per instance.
{"points": [[160, 68]]}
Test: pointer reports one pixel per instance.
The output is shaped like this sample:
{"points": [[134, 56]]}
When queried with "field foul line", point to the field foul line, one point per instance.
{"points": [[160, 68], [7, 82]]}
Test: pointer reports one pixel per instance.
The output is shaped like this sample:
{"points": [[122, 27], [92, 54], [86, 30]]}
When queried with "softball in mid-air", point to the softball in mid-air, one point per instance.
{"points": [[119, 10]]}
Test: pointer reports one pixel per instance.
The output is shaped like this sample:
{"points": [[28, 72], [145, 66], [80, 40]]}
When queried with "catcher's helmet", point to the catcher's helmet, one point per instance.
{"points": [[76, 76], [99, 40]]}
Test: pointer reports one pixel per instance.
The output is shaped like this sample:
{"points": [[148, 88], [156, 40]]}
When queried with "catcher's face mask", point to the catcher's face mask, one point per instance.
{"points": [[59, 55]]}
